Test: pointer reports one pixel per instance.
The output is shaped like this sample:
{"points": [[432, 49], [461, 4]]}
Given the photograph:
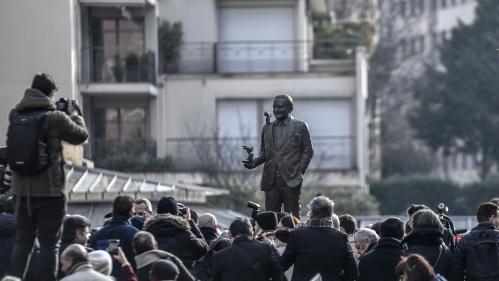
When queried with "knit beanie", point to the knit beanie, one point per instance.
{"points": [[101, 261], [164, 270], [267, 220], [167, 205]]}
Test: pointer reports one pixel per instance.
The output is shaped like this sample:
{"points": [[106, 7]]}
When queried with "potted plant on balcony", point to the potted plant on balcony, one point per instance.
{"points": [[340, 40], [132, 67], [170, 40], [147, 67], [117, 68]]}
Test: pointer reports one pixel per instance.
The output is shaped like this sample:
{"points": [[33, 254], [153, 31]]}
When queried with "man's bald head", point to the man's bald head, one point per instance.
{"points": [[287, 98], [207, 220], [143, 241], [75, 253]]}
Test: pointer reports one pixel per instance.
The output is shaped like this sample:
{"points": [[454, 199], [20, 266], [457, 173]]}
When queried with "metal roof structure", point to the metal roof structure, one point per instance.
{"points": [[85, 185]]}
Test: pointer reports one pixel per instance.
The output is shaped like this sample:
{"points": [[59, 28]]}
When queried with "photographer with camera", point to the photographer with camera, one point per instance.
{"points": [[176, 232], [34, 141]]}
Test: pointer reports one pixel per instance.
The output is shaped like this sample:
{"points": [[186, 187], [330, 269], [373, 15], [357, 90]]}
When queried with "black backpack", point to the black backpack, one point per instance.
{"points": [[483, 256], [27, 142]]}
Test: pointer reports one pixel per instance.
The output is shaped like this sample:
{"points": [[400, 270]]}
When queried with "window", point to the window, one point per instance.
{"points": [[434, 5], [421, 44], [402, 48], [421, 6], [117, 46], [403, 8], [414, 46], [117, 125], [414, 11]]}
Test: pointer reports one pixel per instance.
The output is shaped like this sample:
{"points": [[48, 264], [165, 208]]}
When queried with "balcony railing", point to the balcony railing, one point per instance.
{"points": [[118, 65], [253, 56], [226, 154], [102, 149]]}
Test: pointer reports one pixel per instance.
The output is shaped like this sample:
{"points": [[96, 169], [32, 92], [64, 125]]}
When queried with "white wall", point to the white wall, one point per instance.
{"points": [[190, 101], [198, 17], [36, 36]]}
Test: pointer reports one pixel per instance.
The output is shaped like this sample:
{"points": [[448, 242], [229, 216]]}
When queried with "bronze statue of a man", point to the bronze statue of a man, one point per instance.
{"points": [[286, 150]]}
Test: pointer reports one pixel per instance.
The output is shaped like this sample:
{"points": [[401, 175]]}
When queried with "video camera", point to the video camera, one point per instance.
{"points": [[255, 209], [442, 211]]}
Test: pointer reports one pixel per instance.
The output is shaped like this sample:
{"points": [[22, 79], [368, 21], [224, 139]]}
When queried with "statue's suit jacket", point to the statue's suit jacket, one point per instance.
{"points": [[291, 158]]}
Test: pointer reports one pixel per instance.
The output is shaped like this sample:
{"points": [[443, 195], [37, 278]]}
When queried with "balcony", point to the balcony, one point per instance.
{"points": [[226, 154], [259, 57], [118, 65]]}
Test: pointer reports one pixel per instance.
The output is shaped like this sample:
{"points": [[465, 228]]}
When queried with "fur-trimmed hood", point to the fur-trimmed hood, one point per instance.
{"points": [[166, 225]]}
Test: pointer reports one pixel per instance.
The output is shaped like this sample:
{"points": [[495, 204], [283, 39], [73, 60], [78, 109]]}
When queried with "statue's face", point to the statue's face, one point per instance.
{"points": [[282, 109]]}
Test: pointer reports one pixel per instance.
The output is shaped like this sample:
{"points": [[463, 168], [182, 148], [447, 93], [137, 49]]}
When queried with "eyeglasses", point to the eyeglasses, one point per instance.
{"points": [[142, 214]]}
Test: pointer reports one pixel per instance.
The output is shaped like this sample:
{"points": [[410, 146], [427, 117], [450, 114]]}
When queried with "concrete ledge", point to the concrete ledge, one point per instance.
{"points": [[136, 89], [118, 2]]}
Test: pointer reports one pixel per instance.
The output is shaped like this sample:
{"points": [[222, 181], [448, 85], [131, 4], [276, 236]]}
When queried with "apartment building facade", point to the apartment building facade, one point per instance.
{"points": [[235, 56]]}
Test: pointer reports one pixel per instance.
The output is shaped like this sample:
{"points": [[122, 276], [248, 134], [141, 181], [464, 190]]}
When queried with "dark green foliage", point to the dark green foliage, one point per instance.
{"points": [[339, 41], [133, 156], [397, 193], [169, 43], [458, 105], [136, 163], [132, 67]]}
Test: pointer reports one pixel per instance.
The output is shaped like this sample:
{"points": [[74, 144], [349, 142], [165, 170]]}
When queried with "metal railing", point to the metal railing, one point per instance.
{"points": [[102, 149], [128, 64], [226, 154], [253, 56]]}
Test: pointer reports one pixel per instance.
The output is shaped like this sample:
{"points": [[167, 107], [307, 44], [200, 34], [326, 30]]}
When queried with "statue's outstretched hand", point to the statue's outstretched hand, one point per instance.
{"points": [[248, 164]]}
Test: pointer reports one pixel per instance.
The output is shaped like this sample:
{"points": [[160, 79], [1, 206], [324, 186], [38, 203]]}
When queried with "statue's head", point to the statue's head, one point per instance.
{"points": [[283, 106]]}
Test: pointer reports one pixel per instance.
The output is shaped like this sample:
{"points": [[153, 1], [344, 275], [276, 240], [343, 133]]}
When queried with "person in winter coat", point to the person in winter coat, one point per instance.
{"points": [[319, 248], [40, 198], [75, 230], [426, 239], [177, 235], [203, 268], [379, 264], [416, 268], [7, 235], [118, 228], [146, 251], [76, 265], [208, 226], [365, 239], [246, 259], [287, 224], [485, 254]]}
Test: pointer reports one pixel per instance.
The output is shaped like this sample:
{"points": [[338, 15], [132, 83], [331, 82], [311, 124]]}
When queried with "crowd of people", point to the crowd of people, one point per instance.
{"points": [[39, 241], [174, 242]]}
